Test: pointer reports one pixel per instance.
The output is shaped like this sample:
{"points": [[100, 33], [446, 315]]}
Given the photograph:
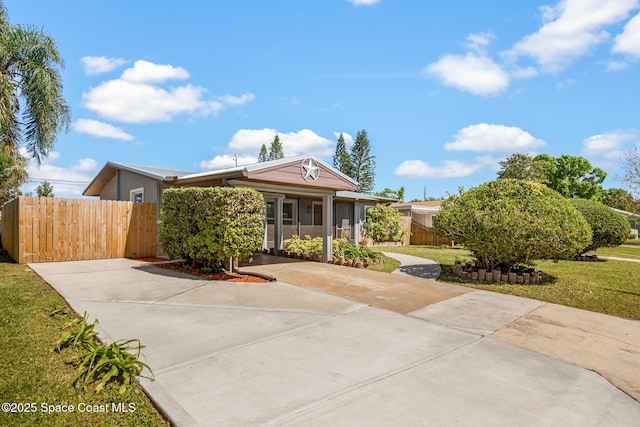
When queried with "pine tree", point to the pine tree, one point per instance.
{"points": [[362, 162], [275, 150], [341, 159], [263, 156]]}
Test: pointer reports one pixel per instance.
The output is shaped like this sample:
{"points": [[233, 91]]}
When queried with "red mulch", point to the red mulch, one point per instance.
{"points": [[226, 277], [149, 259]]}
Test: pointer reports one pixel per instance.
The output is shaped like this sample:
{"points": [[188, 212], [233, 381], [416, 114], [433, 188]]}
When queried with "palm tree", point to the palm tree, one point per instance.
{"points": [[32, 108]]}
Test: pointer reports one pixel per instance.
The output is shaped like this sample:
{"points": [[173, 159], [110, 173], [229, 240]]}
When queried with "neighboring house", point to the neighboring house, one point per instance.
{"points": [[420, 212], [422, 215], [634, 220], [303, 195]]}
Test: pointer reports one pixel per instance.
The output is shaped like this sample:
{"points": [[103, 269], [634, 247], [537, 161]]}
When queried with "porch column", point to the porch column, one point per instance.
{"points": [[327, 227], [277, 226], [356, 224]]}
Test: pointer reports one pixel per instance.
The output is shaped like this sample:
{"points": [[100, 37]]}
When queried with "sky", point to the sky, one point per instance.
{"points": [[444, 89]]}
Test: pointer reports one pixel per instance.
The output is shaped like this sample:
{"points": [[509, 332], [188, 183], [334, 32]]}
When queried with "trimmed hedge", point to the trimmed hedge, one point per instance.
{"points": [[210, 225], [609, 227], [509, 222]]}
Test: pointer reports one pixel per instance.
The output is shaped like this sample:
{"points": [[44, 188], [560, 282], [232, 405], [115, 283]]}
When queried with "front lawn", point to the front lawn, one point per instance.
{"points": [[33, 376], [610, 287], [620, 251]]}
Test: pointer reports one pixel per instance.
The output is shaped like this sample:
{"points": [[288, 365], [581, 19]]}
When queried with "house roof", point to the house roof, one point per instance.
{"points": [[625, 213], [109, 170], [354, 195], [255, 171], [429, 206], [428, 203]]}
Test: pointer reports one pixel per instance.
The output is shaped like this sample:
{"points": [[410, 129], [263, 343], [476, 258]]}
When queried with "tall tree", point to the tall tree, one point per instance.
{"points": [[32, 107], [363, 163], [522, 166], [341, 158], [573, 176], [275, 150], [263, 156], [621, 199], [392, 194], [631, 166]]}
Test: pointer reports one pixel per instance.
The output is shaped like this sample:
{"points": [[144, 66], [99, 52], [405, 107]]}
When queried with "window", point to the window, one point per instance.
{"points": [[137, 195], [288, 213]]}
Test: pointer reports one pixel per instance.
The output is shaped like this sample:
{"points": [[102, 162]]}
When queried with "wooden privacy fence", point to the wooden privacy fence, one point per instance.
{"points": [[45, 229], [421, 235]]}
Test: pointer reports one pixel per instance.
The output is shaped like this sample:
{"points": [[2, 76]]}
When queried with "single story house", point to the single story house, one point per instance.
{"points": [[422, 215], [303, 195], [419, 212]]}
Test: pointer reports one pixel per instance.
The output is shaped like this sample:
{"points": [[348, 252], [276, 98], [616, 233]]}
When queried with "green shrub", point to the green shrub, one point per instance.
{"points": [[383, 224], [342, 248], [609, 227], [507, 222], [308, 245], [210, 225], [97, 362]]}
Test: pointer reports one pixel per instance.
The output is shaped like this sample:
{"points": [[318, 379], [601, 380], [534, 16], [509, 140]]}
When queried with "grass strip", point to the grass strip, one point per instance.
{"points": [[33, 375], [610, 287]]}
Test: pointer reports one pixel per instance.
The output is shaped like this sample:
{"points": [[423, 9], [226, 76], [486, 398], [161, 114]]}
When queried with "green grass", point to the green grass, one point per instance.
{"points": [[610, 287], [635, 242], [31, 374], [387, 266], [620, 251]]}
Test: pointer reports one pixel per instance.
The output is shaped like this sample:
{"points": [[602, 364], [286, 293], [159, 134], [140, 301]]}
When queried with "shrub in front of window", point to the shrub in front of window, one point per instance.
{"points": [[207, 226], [508, 222]]}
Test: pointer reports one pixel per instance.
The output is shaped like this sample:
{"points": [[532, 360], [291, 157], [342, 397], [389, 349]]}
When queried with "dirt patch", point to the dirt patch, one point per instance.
{"points": [[225, 277]]}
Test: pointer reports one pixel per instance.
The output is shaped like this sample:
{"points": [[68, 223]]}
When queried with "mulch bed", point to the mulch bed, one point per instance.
{"points": [[181, 267]]}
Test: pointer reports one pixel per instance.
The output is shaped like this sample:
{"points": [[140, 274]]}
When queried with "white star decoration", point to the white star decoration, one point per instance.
{"points": [[310, 171]]}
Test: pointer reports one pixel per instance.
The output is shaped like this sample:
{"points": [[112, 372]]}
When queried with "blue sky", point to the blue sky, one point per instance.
{"points": [[445, 90]]}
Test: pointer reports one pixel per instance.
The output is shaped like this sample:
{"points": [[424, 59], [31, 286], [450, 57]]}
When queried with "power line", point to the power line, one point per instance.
{"points": [[59, 181]]}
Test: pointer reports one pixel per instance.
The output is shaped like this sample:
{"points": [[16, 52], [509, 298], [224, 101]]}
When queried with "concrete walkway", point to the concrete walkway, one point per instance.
{"points": [[265, 354], [415, 266]]}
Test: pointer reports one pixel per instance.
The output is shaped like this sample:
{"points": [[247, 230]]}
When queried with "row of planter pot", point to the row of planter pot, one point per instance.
{"points": [[496, 276]]}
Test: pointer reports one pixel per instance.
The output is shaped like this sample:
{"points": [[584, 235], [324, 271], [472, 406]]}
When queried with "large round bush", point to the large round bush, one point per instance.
{"points": [[609, 227], [509, 222]]}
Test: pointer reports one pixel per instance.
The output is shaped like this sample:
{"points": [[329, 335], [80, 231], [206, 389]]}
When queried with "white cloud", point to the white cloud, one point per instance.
{"points": [[609, 145], [66, 182], [100, 129], [363, 2], [142, 103], [485, 138], [148, 72], [478, 42], [570, 29], [225, 161], [479, 75], [447, 168], [237, 100], [628, 42], [137, 97], [85, 165], [100, 64], [246, 144], [293, 143]]}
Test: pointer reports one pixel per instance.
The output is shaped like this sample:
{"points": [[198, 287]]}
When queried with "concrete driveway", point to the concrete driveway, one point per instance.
{"points": [[265, 354]]}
